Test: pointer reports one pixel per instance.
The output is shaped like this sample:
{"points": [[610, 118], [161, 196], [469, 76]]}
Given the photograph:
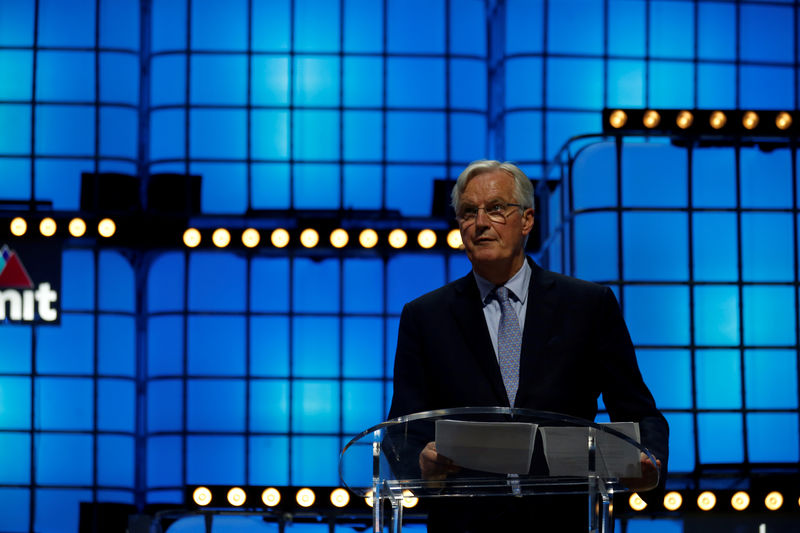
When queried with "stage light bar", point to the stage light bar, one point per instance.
{"points": [[704, 124], [769, 497], [332, 501], [320, 237], [279, 499], [53, 226]]}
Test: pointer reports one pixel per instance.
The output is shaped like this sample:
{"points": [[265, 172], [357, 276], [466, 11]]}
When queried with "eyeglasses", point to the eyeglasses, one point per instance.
{"points": [[496, 212]]}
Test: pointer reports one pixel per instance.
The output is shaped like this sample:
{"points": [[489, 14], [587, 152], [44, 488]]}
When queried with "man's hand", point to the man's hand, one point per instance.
{"points": [[435, 467], [649, 478]]}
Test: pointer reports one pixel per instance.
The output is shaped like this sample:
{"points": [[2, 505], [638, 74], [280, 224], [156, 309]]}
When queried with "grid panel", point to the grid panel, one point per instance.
{"points": [[708, 284], [311, 365], [321, 96]]}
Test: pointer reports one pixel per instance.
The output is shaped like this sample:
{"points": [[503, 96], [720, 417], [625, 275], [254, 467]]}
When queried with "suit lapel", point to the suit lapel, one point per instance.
{"points": [[468, 310]]}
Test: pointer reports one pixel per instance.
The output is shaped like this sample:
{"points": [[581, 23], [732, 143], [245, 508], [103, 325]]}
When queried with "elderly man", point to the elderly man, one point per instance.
{"points": [[513, 334]]}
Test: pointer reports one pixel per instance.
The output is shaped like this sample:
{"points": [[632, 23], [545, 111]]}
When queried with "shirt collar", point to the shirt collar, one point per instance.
{"points": [[518, 284]]}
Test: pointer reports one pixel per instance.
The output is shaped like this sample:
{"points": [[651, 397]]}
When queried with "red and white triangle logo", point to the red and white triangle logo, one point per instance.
{"points": [[12, 271]]}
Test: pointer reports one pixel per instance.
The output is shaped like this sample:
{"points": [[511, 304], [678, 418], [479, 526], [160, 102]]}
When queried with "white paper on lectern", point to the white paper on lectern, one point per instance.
{"points": [[497, 447], [566, 451]]}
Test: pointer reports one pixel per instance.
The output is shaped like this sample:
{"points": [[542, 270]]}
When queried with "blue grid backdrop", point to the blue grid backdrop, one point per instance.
{"points": [[231, 368]]}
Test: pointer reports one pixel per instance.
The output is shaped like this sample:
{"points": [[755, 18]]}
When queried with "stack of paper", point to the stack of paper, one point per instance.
{"points": [[498, 447], [566, 451]]}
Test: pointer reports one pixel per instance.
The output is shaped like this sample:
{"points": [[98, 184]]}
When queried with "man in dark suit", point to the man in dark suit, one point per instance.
{"points": [[453, 345]]}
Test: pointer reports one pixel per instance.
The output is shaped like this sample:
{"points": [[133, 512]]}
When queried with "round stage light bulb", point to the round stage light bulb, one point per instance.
{"points": [[201, 496], [305, 497], [251, 237], [673, 501], [340, 497], [339, 238], [427, 238], [106, 227], [77, 227], [617, 118], [750, 120], [740, 500], [409, 500], [397, 238], [717, 119], [271, 497], [706, 501], [783, 120], [368, 498], [454, 239], [221, 237], [47, 227], [236, 497], [774, 500], [309, 238], [368, 238], [651, 119], [191, 237], [636, 502], [279, 238], [18, 226], [684, 120]]}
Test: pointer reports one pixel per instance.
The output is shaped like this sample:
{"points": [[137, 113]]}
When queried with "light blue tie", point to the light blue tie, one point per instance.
{"points": [[509, 342]]}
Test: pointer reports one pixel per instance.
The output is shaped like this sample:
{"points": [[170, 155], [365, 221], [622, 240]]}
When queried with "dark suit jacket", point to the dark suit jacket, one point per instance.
{"points": [[575, 346]]}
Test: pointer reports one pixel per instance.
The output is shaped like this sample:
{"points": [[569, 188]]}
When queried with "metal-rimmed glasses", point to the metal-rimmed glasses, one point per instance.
{"points": [[497, 212]]}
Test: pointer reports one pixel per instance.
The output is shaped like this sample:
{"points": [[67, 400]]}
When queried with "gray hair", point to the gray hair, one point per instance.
{"points": [[523, 189]]}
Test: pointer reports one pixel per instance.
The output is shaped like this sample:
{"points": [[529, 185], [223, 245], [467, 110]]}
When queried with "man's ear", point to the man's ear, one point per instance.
{"points": [[527, 221]]}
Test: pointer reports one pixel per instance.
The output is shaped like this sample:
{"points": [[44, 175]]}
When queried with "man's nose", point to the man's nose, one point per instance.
{"points": [[482, 217]]}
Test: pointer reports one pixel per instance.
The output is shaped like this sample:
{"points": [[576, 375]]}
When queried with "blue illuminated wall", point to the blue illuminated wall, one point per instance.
{"points": [[699, 245], [181, 367]]}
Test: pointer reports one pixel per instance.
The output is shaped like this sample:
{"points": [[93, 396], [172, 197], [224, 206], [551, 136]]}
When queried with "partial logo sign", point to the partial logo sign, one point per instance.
{"points": [[30, 296]]}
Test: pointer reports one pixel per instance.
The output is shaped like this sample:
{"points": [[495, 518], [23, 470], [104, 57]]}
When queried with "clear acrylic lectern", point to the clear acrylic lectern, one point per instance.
{"points": [[496, 451]]}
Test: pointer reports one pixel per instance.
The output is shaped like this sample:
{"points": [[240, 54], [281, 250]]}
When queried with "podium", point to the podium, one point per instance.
{"points": [[500, 451]]}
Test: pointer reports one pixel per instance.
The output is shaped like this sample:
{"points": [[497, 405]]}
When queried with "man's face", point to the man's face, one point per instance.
{"points": [[490, 244]]}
